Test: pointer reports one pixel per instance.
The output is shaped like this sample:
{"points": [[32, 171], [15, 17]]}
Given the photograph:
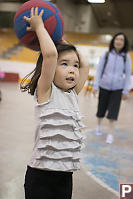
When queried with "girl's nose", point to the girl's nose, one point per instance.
{"points": [[71, 70]]}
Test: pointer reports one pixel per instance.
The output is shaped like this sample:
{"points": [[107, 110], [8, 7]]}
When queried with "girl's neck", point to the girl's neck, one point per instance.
{"points": [[68, 91]]}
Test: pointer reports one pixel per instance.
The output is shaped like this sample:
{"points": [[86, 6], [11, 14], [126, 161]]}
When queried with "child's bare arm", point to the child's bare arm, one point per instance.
{"points": [[48, 50], [83, 73]]}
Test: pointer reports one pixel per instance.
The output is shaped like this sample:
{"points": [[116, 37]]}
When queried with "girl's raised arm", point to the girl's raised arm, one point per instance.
{"points": [[48, 51], [83, 72]]}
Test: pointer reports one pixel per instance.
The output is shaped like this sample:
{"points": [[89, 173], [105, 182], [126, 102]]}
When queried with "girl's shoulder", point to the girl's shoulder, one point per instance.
{"points": [[57, 95], [53, 88], [59, 101]]}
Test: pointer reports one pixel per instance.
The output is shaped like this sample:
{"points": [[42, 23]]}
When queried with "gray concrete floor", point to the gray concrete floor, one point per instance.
{"points": [[17, 137]]}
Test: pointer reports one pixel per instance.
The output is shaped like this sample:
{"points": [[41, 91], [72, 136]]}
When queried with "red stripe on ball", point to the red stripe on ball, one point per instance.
{"points": [[50, 24], [32, 39], [34, 3]]}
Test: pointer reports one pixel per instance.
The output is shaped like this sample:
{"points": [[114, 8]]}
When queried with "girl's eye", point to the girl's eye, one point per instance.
{"points": [[64, 64], [76, 66]]}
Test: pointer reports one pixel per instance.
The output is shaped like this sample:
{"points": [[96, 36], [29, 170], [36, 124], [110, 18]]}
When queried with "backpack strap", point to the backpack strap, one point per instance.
{"points": [[124, 58], [105, 63]]}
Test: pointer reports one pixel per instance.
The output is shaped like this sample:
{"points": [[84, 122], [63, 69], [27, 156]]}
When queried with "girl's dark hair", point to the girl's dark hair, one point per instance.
{"points": [[31, 85], [126, 43]]}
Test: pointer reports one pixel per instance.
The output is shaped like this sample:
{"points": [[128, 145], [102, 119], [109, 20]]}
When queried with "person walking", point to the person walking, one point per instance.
{"points": [[112, 80]]}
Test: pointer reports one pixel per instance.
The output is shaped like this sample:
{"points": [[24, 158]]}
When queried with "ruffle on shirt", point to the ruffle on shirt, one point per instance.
{"points": [[58, 144], [59, 138], [67, 135], [57, 155], [68, 113], [57, 165], [66, 124]]}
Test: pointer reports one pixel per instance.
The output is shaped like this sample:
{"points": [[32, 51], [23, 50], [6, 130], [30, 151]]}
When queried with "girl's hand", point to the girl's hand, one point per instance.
{"points": [[35, 19]]}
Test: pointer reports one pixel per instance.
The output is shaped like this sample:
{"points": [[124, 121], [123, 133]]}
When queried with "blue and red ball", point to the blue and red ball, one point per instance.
{"points": [[52, 18]]}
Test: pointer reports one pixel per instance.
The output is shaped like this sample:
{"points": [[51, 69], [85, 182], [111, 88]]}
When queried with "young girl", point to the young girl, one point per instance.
{"points": [[113, 78], [59, 76]]}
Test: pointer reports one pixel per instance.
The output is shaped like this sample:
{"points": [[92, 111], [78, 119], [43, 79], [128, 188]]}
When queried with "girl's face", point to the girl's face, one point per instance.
{"points": [[67, 70], [119, 42]]}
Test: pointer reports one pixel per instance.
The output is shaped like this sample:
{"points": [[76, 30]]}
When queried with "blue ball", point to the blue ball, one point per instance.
{"points": [[52, 19]]}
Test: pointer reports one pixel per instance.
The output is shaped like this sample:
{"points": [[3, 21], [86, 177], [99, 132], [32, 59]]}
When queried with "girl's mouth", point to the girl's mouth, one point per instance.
{"points": [[70, 79]]}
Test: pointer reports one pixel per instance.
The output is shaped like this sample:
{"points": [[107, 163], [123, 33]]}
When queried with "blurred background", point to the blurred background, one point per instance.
{"points": [[90, 26]]}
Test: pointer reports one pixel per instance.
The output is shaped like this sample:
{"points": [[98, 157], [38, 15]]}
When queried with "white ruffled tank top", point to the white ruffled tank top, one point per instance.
{"points": [[58, 138]]}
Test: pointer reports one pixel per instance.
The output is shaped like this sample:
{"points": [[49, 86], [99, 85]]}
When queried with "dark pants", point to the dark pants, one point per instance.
{"points": [[41, 184], [109, 101]]}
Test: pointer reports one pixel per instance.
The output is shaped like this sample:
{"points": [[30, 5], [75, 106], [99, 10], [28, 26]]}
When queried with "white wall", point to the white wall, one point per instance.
{"points": [[21, 68]]}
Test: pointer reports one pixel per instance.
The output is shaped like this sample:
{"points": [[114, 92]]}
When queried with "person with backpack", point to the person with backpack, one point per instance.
{"points": [[112, 80]]}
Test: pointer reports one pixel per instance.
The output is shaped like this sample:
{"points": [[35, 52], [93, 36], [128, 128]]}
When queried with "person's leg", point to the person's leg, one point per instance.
{"points": [[114, 104], [102, 107], [111, 126], [110, 136], [113, 111], [99, 126]]}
